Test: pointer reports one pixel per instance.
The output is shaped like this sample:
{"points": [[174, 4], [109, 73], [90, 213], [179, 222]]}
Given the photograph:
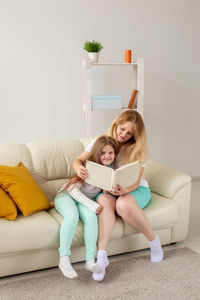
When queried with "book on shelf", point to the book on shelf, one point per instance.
{"points": [[132, 99], [106, 177], [106, 102]]}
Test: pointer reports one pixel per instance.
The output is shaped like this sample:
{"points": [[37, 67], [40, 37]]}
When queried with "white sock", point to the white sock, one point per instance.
{"points": [[156, 250], [91, 266], [103, 262], [66, 267]]}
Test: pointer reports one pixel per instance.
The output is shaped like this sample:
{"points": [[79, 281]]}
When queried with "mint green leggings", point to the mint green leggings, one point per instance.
{"points": [[71, 210]]}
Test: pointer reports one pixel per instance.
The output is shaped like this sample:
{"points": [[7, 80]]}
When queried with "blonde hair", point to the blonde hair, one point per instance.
{"points": [[136, 147], [95, 156]]}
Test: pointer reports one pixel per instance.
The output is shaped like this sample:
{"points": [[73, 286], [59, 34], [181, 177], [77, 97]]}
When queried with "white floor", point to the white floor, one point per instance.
{"points": [[192, 241]]}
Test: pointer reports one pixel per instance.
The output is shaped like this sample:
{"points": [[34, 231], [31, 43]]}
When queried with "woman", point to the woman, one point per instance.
{"points": [[129, 132]]}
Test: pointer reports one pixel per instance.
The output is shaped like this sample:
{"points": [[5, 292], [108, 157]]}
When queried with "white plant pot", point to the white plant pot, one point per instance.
{"points": [[93, 57]]}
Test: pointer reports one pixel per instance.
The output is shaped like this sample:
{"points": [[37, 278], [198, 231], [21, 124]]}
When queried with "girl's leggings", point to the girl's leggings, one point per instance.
{"points": [[71, 210]]}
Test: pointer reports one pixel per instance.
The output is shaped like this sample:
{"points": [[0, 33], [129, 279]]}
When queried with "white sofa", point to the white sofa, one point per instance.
{"points": [[31, 243]]}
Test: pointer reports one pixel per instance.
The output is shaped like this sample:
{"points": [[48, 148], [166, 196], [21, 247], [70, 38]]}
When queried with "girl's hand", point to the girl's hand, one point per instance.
{"points": [[119, 190], [82, 172], [99, 209]]}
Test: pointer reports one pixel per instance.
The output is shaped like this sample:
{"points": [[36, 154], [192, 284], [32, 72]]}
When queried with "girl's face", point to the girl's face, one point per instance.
{"points": [[125, 132], [107, 155]]}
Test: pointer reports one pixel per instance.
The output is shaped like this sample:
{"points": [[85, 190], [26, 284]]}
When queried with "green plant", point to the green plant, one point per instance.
{"points": [[93, 46]]}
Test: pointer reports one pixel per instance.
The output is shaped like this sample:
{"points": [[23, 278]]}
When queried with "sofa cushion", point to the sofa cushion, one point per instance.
{"points": [[161, 213], [78, 238], [23, 189], [8, 209], [12, 153], [163, 180], [36, 231], [52, 163]]}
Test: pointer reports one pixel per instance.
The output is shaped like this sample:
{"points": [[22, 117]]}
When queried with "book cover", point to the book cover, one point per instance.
{"points": [[105, 177]]}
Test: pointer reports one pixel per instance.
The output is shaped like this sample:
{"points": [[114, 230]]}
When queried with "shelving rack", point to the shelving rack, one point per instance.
{"points": [[138, 82]]}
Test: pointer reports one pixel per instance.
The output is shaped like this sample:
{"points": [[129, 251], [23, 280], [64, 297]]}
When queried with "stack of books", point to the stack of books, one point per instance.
{"points": [[106, 102]]}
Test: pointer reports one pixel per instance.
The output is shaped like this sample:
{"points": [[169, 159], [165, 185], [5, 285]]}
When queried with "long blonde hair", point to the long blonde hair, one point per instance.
{"points": [[136, 147], [95, 156]]}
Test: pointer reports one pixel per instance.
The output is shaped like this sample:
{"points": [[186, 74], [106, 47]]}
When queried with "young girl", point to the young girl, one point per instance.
{"points": [[128, 130], [73, 200]]}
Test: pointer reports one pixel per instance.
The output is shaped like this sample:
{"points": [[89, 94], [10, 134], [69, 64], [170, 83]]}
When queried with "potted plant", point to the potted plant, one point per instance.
{"points": [[93, 48]]}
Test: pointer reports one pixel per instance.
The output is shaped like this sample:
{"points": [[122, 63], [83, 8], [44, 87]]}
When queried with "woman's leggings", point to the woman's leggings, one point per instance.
{"points": [[71, 210]]}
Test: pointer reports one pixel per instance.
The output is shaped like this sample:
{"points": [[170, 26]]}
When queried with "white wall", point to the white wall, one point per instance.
{"points": [[41, 78]]}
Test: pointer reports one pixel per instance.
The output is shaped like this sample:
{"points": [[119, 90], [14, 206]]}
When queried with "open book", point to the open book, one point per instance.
{"points": [[106, 178]]}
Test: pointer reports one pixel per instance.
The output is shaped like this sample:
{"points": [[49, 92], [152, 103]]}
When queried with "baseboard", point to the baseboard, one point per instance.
{"points": [[195, 178]]}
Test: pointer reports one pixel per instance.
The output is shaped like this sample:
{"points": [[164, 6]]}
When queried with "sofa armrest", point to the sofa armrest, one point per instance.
{"points": [[164, 180], [175, 185]]}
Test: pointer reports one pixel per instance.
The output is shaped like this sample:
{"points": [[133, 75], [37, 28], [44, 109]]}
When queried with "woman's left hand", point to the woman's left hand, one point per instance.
{"points": [[119, 190]]}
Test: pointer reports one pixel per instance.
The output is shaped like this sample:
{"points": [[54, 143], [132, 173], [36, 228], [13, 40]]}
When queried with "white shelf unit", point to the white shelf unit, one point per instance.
{"points": [[137, 79]]}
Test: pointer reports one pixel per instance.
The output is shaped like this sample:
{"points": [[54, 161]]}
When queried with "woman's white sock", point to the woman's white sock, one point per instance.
{"points": [[103, 262], [66, 267], [156, 250], [91, 266]]}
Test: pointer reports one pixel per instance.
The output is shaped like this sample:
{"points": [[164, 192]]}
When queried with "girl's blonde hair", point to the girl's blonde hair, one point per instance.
{"points": [[136, 147], [95, 156]]}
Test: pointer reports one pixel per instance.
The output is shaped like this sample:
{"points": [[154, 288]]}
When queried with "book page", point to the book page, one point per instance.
{"points": [[99, 176], [127, 174]]}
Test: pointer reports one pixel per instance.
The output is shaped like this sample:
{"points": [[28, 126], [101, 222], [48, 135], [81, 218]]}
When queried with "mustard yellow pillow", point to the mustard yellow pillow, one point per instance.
{"points": [[8, 209], [23, 189]]}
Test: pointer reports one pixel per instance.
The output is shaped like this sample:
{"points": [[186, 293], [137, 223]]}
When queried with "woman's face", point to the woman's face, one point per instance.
{"points": [[125, 132], [107, 155]]}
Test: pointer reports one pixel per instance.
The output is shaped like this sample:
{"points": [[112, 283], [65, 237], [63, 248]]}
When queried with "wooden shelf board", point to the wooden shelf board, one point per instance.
{"points": [[114, 64], [123, 108]]}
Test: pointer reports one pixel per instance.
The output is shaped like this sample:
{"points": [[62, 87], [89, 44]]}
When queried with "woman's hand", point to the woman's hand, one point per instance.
{"points": [[82, 172], [99, 209], [119, 190], [78, 165]]}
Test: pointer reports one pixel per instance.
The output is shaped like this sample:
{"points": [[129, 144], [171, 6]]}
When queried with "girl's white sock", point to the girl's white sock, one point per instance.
{"points": [[66, 267], [103, 262], [91, 266], [156, 250]]}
